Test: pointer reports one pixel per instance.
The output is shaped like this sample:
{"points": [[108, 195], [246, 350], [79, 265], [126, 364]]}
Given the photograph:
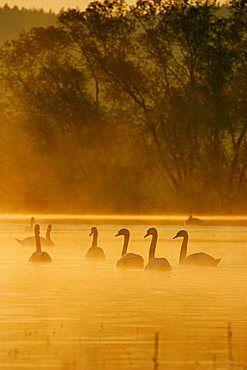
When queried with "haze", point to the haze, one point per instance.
{"points": [[72, 314]]}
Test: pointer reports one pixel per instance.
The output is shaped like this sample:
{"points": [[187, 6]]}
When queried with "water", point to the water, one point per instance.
{"points": [[71, 314]]}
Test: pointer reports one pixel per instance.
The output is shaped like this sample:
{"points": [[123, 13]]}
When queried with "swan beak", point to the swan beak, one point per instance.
{"points": [[145, 235], [175, 237], [117, 235], [91, 233]]}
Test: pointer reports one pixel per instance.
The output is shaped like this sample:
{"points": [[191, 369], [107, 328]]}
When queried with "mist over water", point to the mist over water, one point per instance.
{"points": [[72, 314]]}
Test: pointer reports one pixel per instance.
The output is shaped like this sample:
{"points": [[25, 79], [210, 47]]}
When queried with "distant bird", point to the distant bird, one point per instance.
{"points": [[193, 221], [201, 259], [155, 264], [128, 261], [29, 229], [31, 240], [94, 252], [39, 256]]}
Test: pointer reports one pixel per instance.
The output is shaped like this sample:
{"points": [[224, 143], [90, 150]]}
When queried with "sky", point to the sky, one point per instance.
{"points": [[54, 5]]}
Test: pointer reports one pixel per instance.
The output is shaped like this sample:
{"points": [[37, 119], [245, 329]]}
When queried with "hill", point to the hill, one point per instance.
{"points": [[14, 20]]}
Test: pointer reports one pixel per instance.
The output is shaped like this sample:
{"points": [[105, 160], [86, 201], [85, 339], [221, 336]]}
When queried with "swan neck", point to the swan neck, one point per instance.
{"points": [[95, 238], [125, 244], [48, 234], [183, 251], [153, 246], [38, 244]]}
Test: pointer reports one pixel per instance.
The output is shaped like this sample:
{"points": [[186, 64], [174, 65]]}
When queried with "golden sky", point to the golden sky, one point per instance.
{"points": [[47, 5], [54, 5]]}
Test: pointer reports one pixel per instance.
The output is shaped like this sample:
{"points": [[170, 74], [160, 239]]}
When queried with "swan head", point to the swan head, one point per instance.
{"points": [[123, 232], [151, 231], [49, 227], [181, 234], [93, 231], [37, 229]]}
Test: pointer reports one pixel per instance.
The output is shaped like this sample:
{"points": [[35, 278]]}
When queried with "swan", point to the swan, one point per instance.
{"points": [[193, 221], [156, 264], [95, 252], [201, 258], [39, 256], [128, 260], [29, 229], [31, 240]]}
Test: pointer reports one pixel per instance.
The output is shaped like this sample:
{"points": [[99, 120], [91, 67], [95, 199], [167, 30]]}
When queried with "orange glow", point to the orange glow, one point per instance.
{"points": [[74, 314]]}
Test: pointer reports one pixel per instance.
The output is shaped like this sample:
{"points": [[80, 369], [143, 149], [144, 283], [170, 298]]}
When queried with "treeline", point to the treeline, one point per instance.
{"points": [[127, 109], [14, 20]]}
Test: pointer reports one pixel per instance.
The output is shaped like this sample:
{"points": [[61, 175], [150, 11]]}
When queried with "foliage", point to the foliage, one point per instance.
{"points": [[133, 109]]}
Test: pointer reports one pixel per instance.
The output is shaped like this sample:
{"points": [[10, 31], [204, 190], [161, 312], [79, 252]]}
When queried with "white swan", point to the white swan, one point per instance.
{"points": [[128, 261], [156, 264], [95, 252], [200, 258], [39, 256], [31, 240]]}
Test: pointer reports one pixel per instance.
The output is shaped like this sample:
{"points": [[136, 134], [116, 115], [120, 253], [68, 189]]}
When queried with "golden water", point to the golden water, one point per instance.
{"points": [[71, 314]]}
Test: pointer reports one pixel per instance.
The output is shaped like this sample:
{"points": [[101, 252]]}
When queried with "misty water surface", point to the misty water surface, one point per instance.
{"points": [[71, 314]]}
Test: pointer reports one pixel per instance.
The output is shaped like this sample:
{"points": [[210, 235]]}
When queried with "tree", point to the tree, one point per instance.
{"points": [[137, 105], [50, 96]]}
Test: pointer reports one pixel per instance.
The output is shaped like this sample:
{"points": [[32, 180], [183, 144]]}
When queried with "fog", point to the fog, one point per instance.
{"points": [[73, 314]]}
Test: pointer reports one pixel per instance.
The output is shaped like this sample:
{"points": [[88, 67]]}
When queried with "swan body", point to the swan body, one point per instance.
{"points": [[94, 252], [193, 221], [158, 264], [199, 259], [128, 261], [31, 240], [155, 264], [39, 255]]}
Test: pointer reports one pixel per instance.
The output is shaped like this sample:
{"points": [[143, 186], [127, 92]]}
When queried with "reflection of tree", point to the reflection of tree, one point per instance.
{"points": [[138, 104]]}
